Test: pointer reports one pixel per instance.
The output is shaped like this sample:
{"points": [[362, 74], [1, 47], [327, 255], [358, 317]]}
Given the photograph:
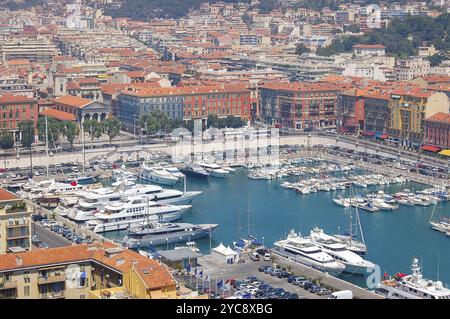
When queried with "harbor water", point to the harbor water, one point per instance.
{"points": [[265, 210]]}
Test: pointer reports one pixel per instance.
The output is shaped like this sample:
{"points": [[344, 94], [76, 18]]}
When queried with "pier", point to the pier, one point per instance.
{"points": [[325, 279]]}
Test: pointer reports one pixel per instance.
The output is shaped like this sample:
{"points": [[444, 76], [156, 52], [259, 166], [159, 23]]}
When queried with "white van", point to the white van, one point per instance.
{"points": [[343, 294], [266, 257]]}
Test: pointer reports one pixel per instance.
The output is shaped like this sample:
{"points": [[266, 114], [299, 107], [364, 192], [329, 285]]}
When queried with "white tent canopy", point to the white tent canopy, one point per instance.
{"points": [[226, 254]]}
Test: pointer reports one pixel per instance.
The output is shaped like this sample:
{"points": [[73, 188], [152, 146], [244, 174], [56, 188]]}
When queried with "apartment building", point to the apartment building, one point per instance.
{"points": [[15, 223], [411, 68], [376, 113], [409, 107], [34, 50], [360, 50], [15, 108], [73, 272], [298, 105], [437, 130], [350, 110], [184, 103]]}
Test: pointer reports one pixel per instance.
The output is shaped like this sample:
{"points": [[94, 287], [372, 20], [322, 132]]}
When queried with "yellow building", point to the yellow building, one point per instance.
{"points": [[15, 223], [409, 107], [81, 272]]}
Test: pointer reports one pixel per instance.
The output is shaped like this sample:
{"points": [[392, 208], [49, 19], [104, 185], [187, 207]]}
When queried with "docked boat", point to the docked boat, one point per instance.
{"points": [[367, 207], [354, 263], [157, 175], [160, 195], [381, 204], [156, 234], [134, 212], [93, 202], [214, 170], [341, 201], [412, 286], [305, 252], [352, 244], [174, 171], [194, 170], [82, 180]]}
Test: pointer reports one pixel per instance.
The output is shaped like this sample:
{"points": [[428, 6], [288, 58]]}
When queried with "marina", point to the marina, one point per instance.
{"points": [[283, 209], [146, 215]]}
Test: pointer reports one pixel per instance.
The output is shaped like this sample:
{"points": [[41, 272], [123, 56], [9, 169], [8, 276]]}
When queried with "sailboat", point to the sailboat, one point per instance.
{"points": [[358, 247], [442, 225]]}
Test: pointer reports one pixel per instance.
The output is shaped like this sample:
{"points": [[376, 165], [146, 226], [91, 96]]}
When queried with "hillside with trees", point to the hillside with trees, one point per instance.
{"points": [[402, 37], [147, 9]]}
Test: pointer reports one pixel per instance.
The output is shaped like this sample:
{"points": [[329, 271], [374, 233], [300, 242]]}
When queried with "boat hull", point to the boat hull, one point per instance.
{"points": [[163, 239]]}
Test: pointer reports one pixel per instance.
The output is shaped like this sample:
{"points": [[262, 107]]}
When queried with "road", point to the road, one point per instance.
{"points": [[48, 237]]}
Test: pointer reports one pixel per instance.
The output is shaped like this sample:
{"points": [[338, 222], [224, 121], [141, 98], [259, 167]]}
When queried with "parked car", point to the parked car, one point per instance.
{"points": [[268, 270], [262, 268], [254, 256]]}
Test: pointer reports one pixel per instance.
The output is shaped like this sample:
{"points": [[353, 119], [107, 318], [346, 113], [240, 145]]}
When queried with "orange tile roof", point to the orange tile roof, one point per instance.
{"points": [[59, 115], [121, 260], [369, 46], [19, 62], [445, 87], [439, 117], [74, 101], [6, 195], [301, 86], [11, 98], [413, 91]]}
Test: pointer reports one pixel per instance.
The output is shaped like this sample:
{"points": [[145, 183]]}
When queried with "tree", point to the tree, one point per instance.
{"points": [[93, 128], [26, 127], [213, 120], [301, 48], [70, 131], [54, 127], [111, 127], [6, 143], [150, 124]]}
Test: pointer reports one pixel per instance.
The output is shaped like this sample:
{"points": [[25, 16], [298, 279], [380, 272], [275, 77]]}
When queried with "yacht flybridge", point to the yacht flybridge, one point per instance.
{"points": [[306, 252], [136, 210], [354, 263], [413, 286]]}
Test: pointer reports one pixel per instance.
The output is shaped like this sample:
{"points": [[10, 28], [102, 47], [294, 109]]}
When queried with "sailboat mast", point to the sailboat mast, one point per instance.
{"points": [[82, 136], [46, 143]]}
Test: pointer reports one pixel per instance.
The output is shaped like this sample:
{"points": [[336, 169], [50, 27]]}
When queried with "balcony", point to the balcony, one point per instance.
{"points": [[51, 279], [8, 284], [53, 295]]}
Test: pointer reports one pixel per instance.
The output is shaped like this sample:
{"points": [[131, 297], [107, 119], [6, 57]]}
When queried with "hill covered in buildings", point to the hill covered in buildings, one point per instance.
{"points": [[145, 9], [402, 37], [20, 4]]}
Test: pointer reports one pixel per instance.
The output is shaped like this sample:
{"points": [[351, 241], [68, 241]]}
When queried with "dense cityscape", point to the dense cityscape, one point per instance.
{"points": [[193, 149]]}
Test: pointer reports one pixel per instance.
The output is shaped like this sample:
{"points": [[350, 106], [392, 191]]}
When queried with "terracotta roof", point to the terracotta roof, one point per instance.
{"points": [[187, 90], [369, 46], [59, 115], [18, 62], [439, 117], [300, 86], [440, 87], [413, 91], [74, 101], [105, 253], [6, 195], [11, 98]]}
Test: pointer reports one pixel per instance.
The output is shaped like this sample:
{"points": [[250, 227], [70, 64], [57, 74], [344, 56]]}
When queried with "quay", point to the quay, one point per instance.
{"points": [[325, 280]]}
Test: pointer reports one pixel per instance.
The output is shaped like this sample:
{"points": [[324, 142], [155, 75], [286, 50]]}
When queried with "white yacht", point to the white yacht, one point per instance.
{"points": [[92, 202], [412, 286], [134, 212], [354, 264], [174, 171], [304, 251], [157, 175], [214, 170], [342, 201], [381, 204], [160, 195]]}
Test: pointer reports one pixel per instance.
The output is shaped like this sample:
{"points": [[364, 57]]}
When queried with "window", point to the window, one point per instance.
{"points": [[26, 277], [26, 291]]}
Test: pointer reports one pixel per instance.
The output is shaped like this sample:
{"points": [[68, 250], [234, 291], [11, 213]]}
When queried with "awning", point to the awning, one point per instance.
{"points": [[368, 133], [445, 152], [381, 136], [431, 148]]}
